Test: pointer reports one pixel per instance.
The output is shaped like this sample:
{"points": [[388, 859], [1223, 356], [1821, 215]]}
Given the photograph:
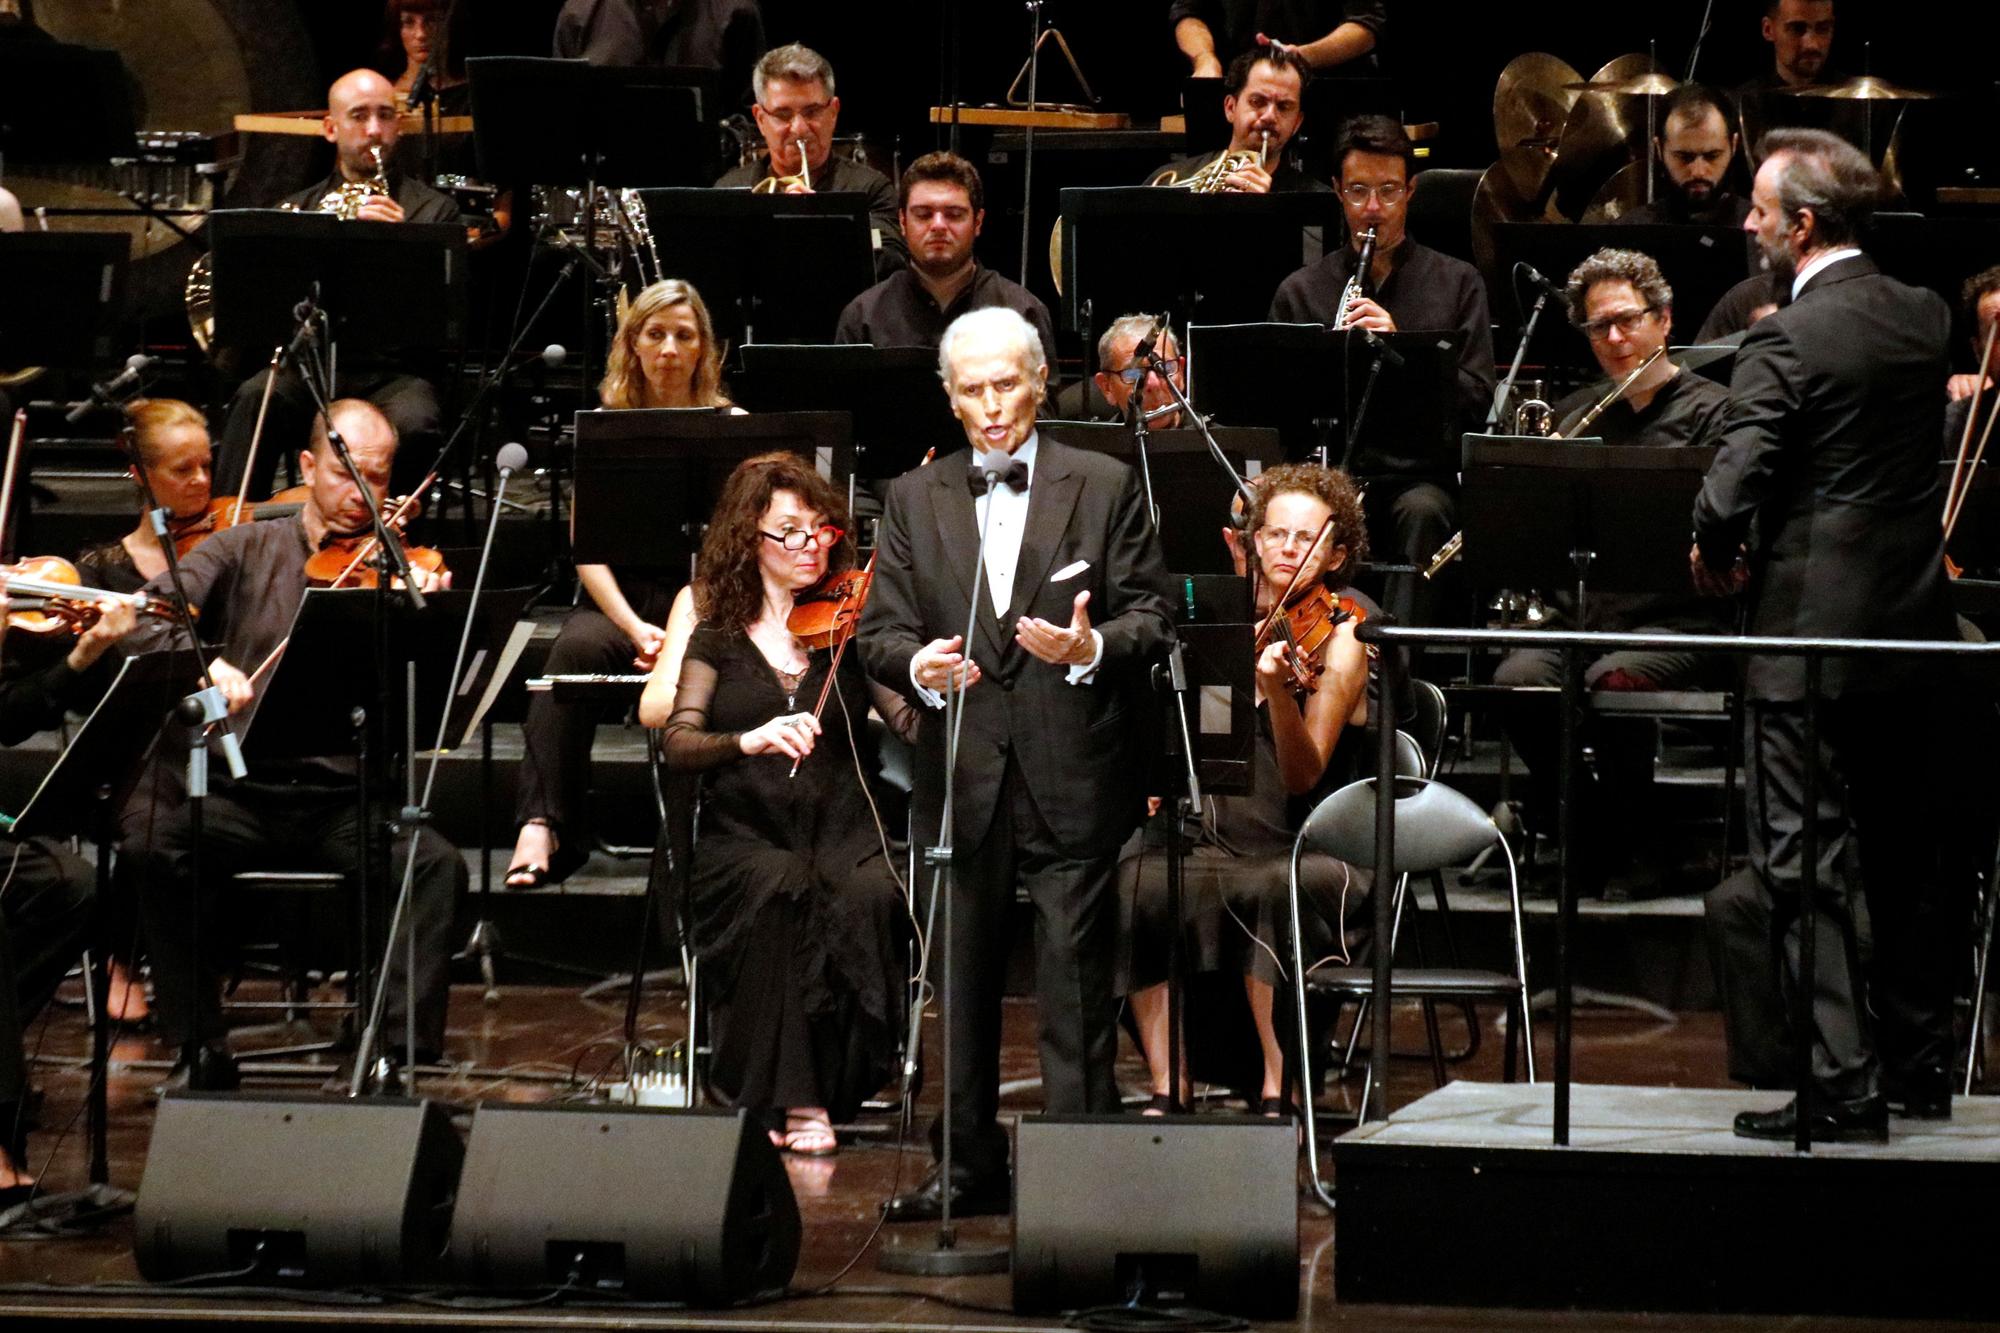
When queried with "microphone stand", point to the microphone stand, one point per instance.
{"points": [[1383, 352], [946, 1258], [416, 815], [1506, 386]]}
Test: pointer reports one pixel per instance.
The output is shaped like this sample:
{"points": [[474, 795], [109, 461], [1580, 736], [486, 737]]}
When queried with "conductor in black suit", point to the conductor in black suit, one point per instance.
{"points": [[1825, 502], [1072, 607]]}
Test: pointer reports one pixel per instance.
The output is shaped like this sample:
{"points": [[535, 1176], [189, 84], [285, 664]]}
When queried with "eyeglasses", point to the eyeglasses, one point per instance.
{"points": [[1132, 375], [1626, 322], [786, 115], [795, 539], [1390, 194], [1279, 538]]}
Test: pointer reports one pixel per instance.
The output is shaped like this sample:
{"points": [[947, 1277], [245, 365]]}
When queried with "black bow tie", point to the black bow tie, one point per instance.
{"points": [[1012, 473]]}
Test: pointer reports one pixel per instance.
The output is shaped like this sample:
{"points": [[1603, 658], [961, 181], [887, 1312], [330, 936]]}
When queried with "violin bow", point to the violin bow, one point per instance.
{"points": [[1955, 493], [257, 434], [14, 439]]}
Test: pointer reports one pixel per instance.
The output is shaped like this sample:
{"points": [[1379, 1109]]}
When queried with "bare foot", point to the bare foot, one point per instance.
{"points": [[11, 1176], [532, 850], [809, 1132], [126, 1000]]}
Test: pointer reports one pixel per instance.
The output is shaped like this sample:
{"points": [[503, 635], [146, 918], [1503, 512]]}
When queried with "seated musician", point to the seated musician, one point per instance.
{"points": [[1411, 498], [171, 438], [796, 910], [796, 112], [247, 582], [1117, 377], [360, 118], [665, 354], [1327, 34], [943, 207], [1696, 150], [1263, 97], [47, 911], [414, 32], [725, 35], [1740, 307], [1622, 304], [1980, 300], [1235, 907]]}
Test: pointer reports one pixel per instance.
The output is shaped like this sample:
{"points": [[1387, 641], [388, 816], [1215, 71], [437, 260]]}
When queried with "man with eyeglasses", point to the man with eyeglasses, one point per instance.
{"points": [[360, 117], [1619, 300], [943, 209], [1411, 486], [1696, 149], [1263, 99], [796, 112], [1117, 376]]}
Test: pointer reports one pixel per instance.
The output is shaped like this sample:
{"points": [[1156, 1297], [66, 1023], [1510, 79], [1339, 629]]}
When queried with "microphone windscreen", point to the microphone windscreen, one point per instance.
{"points": [[511, 458], [554, 355]]}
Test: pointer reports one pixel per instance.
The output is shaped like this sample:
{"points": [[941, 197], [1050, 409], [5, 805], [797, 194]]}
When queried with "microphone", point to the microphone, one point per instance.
{"points": [[1543, 281], [554, 355], [1383, 349], [511, 459], [114, 391], [421, 90]]}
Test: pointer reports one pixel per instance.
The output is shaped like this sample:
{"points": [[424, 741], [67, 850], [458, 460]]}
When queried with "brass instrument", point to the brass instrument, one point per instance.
{"points": [[1357, 286], [344, 201], [1450, 550], [1533, 415], [783, 184]]}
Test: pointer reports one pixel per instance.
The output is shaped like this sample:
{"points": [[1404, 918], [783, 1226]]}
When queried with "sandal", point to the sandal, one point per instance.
{"points": [[1272, 1107], [535, 878], [810, 1137], [1160, 1103]]}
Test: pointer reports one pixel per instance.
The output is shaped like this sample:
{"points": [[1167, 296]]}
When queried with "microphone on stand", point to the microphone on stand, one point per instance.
{"points": [[1543, 281], [112, 392]]}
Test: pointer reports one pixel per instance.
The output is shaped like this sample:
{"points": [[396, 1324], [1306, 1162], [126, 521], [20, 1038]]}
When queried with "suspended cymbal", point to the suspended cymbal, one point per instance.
{"points": [[1866, 88], [1530, 101], [1500, 197], [1652, 84], [1625, 191], [1602, 134]]}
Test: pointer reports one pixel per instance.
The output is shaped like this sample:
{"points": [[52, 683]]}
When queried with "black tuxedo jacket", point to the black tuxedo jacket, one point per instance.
{"points": [[1076, 745], [1828, 469]]}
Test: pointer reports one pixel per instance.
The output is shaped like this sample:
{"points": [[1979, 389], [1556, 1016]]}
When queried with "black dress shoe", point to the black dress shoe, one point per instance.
{"points": [[212, 1069], [1865, 1120], [971, 1196]]}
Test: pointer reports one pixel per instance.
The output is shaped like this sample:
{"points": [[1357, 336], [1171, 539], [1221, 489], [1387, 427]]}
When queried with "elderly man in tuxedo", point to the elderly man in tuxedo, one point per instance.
{"points": [[1068, 609]]}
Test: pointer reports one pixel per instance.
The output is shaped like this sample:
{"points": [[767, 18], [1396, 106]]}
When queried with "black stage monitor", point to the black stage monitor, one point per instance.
{"points": [[61, 296], [566, 122], [1699, 263], [647, 479], [1212, 258], [773, 268], [894, 395]]}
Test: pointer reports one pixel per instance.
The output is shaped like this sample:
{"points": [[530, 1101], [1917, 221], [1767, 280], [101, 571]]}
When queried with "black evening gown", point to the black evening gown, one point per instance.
{"points": [[797, 920]]}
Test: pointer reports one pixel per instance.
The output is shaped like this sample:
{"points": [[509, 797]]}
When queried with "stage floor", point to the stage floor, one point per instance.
{"points": [[533, 1041]]}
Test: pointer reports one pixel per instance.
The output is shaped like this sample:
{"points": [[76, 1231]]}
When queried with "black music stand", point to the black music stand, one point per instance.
{"points": [[1190, 492], [773, 268], [566, 122], [899, 407], [1312, 384], [61, 296], [388, 286], [80, 797], [64, 104], [1214, 258], [1699, 263], [647, 479]]}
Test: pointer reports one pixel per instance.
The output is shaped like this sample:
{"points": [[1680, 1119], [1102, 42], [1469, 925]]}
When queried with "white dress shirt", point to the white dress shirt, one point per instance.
{"points": [[1818, 262]]}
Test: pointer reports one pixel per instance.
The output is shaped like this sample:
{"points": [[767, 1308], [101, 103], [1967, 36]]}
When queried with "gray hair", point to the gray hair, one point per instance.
{"points": [[1827, 174], [994, 323], [795, 63], [1610, 265], [1139, 328]]}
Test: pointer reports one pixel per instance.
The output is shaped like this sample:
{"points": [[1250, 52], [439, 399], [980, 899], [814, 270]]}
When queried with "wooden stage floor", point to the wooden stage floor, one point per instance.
{"points": [[533, 1041]]}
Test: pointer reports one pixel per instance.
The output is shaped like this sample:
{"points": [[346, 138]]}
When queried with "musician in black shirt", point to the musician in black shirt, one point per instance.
{"points": [[1328, 33]]}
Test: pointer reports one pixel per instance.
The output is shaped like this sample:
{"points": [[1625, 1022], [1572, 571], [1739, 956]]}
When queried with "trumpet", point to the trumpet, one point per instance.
{"points": [[1451, 549], [783, 184], [1534, 416], [1357, 286]]}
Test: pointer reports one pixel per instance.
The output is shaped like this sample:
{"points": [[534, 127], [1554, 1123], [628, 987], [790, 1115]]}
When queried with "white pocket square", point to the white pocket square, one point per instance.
{"points": [[1068, 572]]}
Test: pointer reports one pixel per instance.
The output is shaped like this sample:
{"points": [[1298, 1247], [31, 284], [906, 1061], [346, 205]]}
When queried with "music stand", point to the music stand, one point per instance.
{"points": [[773, 268], [1214, 258], [64, 104], [62, 294], [566, 122], [893, 395], [389, 286], [1699, 263], [80, 796], [1192, 494], [647, 479], [1309, 382]]}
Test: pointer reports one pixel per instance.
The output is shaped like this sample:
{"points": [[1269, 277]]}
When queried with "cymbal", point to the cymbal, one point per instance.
{"points": [[1625, 191], [1530, 101], [106, 210], [1866, 88], [1505, 195], [1652, 84], [1602, 134]]}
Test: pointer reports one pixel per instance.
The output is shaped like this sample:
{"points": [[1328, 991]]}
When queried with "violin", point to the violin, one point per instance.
{"points": [[827, 615], [1305, 623], [345, 561], [227, 512], [63, 604]]}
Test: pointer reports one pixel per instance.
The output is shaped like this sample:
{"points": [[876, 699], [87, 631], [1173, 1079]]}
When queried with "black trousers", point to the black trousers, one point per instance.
{"points": [[1882, 826], [410, 403], [1408, 520], [1076, 922], [1736, 919], [556, 770], [47, 893], [261, 825]]}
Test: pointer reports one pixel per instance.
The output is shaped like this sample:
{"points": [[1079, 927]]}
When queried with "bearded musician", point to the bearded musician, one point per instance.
{"points": [[1263, 98], [246, 582]]}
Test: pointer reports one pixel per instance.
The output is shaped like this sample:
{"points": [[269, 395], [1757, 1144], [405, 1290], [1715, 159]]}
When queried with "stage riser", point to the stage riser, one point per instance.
{"points": [[1549, 1228]]}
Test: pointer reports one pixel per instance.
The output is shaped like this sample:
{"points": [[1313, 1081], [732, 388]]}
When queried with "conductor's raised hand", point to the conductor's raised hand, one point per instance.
{"points": [[1059, 645], [940, 666], [791, 735]]}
